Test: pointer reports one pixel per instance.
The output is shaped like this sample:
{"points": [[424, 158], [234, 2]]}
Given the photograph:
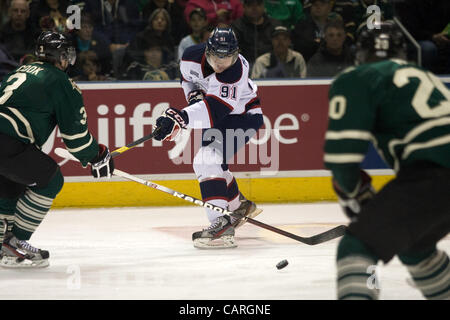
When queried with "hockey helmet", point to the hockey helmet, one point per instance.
{"points": [[222, 43], [53, 46], [383, 41], [222, 47]]}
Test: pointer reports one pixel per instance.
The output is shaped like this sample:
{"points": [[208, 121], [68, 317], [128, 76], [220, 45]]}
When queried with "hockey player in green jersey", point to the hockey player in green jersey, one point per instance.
{"points": [[404, 111], [35, 98]]}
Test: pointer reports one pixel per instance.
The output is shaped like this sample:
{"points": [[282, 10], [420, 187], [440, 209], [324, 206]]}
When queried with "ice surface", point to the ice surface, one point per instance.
{"points": [[147, 253]]}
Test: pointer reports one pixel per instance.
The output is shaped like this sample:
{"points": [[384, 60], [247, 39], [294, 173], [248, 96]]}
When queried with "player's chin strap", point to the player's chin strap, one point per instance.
{"points": [[317, 239]]}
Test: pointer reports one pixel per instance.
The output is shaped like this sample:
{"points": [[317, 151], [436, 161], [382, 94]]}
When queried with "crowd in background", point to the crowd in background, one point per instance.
{"points": [[145, 39]]}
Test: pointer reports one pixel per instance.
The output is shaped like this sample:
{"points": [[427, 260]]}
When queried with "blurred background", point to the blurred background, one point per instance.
{"points": [[145, 39]]}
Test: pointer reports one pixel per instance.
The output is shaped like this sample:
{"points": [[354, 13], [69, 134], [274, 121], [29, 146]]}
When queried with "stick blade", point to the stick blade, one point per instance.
{"points": [[327, 235]]}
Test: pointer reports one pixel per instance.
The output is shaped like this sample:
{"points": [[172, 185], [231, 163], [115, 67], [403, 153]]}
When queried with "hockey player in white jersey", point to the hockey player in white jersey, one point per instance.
{"points": [[222, 101]]}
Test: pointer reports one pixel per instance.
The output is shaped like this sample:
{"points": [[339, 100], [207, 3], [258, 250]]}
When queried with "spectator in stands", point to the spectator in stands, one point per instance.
{"points": [[117, 20], [17, 35], [88, 63], [253, 30], [7, 63], [46, 23], [281, 62], [198, 23], [85, 39], [347, 10], [56, 9], [4, 18], [426, 20], [176, 13], [308, 32], [220, 13], [288, 12], [153, 66], [333, 55], [158, 31]]}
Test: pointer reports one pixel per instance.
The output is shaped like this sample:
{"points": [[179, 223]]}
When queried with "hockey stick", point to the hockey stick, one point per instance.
{"points": [[133, 144], [317, 239]]}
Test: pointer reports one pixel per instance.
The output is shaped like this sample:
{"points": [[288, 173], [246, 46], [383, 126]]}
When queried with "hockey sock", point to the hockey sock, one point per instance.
{"points": [[33, 205], [354, 273], [30, 211], [7, 207], [214, 191], [430, 272], [232, 191]]}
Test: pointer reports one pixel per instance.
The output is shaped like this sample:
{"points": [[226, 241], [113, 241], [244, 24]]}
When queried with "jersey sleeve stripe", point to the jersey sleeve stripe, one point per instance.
{"points": [[344, 158], [349, 134], [424, 145], [84, 146], [24, 120], [16, 127], [414, 133], [75, 136]]}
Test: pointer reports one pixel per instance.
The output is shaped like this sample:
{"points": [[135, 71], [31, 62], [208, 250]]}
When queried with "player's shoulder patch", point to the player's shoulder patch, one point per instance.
{"points": [[233, 74], [194, 53]]}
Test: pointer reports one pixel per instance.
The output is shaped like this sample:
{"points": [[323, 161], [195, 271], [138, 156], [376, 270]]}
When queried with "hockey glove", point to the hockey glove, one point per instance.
{"points": [[195, 96], [169, 126], [103, 164], [352, 203]]}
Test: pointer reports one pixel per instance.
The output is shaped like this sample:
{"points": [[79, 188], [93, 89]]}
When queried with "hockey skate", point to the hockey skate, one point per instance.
{"points": [[17, 253], [247, 209], [220, 234]]}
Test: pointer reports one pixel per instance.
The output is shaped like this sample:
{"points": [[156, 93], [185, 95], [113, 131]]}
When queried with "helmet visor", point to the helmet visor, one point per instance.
{"points": [[71, 55]]}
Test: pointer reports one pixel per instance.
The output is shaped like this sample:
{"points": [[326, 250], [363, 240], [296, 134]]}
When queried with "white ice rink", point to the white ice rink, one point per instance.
{"points": [[147, 253]]}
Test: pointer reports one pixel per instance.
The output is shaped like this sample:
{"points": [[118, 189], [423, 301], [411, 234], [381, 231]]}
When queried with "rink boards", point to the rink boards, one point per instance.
{"points": [[283, 163]]}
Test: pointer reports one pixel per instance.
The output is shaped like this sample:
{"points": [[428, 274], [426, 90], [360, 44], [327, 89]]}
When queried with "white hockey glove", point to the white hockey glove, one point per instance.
{"points": [[103, 164]]}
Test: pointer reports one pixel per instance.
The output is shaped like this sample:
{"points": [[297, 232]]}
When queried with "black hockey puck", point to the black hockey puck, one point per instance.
{"points": [[282, 264]]}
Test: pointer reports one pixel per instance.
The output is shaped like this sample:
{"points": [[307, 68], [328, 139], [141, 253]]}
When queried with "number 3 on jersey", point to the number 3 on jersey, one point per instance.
{"points": [[228, 92], [8, 91]]}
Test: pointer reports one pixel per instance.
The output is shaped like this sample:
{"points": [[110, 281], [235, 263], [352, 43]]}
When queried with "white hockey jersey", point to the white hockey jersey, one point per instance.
{"points": [[228, 93]]}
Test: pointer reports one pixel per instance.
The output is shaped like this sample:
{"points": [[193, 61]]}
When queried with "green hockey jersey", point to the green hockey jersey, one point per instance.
{"points": [[402, 109], [35, 98]]}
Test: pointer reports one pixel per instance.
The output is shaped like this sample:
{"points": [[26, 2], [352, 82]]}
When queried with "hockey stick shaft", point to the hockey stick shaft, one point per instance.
{"points": [[319, 238], [133, 144], [316, 239]]}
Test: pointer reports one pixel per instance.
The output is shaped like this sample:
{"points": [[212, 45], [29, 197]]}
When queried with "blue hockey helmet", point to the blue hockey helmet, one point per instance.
{"points": [[222, 43]]}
